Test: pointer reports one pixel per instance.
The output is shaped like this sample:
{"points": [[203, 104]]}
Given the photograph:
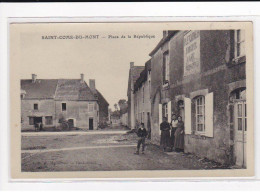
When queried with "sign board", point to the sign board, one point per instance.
{"points": [[192, 53]]}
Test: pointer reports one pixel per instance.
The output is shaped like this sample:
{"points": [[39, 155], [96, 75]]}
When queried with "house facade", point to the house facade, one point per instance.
{"points": [[200, 75], [134, 74], [142, 99], [52, 101]]}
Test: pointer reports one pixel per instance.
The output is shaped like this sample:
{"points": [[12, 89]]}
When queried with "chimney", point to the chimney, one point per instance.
{"points": [[92, 84], [82, 78], [34, 77], [132, 64]]}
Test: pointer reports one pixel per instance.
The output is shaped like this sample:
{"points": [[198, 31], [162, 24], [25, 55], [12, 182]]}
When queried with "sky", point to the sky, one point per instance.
{"points": [[107, 60]]}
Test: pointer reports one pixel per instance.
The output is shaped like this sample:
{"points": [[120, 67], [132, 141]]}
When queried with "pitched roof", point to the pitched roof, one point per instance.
{"points": [[58, 89], [101, 97], [41, 89], [136, 72], [171, 33], [73, 89], [143, 75]]}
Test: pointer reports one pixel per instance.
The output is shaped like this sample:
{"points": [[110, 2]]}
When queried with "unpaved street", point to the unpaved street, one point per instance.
{"points": [[98, 151]]}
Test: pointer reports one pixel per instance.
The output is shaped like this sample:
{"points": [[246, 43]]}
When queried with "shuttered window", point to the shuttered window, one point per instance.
{"points": [[209, 110], [187, 113], [160, 116], [200, 113]]}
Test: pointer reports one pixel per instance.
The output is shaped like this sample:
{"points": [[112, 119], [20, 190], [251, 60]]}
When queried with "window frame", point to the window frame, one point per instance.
{"points": [[165, 110], [36, 105], [238, 44], [31, 119], [46, 119], [62, 109], [197, 114], [89, 105], [166, 68]]}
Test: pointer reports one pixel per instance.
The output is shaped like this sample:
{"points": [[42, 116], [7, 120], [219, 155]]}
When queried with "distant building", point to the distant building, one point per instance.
{"points": [[200, 75], [50, 101], [134, 74]]}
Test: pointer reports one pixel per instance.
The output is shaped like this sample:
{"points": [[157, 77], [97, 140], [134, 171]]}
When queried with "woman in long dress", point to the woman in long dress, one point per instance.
{"points": [[179, 136], [165, 134]]}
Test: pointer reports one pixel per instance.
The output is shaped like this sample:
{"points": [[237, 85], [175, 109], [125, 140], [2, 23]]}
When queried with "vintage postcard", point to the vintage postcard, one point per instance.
{"points": [[131, 100]]}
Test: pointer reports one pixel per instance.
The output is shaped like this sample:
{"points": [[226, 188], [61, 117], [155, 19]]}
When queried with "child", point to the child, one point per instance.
{"points": [[141, 133]]}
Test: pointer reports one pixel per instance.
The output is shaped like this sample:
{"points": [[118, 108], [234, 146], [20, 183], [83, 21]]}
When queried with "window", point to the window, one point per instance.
{"points": [[165, 110], [48, 120], [91, 107], [200, 113], [35, 106], [31, 121], [239, 43], [63, 106], [165, 68]]}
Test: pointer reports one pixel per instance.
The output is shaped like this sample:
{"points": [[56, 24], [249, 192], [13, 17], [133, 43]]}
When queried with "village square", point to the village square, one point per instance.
{"points": [[185, 109]]}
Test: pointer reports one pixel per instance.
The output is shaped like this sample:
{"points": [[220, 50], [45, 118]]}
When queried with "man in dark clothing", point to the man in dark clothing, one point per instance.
{"points": [[141, 133], [165, 134]]}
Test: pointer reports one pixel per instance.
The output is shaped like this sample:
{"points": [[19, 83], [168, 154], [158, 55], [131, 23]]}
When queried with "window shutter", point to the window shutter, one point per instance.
{"points": [[169, 111], [187, 112], [160, 116], [209, 115]]}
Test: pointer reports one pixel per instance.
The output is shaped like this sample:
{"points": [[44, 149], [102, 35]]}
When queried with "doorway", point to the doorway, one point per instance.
{"points": [[71, 123], [37, 120], [91, 123], [238, 98], [240, 133]]}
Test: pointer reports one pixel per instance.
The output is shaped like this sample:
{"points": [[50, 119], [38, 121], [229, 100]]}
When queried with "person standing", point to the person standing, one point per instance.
{"points": [[179, 136], [141, 133], [174, 123], [165, 133]]}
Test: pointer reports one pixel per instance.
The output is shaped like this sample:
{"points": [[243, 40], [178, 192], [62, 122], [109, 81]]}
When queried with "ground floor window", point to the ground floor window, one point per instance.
{"points": [[48, 120], [31, 121], [200, 113], [165, 110]]}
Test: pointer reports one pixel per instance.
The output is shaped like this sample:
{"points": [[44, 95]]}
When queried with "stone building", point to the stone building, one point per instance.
{"points": [[50, 101], [200, 75], [142, 88], [134, 74], [102, 104]]}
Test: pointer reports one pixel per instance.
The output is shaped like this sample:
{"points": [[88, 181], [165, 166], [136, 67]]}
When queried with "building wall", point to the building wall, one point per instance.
{"points": [[124, 119], [45, 108], [143, 104], [215, 74], [78, 110], [103, 112], [156, 83]]}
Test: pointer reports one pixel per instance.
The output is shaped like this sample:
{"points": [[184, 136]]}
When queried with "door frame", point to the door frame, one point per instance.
{"points": [[91, 118], [243, 132]]}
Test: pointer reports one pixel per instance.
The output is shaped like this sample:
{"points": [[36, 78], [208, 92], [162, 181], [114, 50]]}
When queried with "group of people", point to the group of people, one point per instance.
{"points": [[172, 135]]}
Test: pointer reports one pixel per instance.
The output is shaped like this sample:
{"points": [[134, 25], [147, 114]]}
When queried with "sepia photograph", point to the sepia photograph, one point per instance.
{"points": [[137, 98]]}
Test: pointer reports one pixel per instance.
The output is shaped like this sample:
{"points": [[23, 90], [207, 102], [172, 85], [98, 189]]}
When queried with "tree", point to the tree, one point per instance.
{"points": [[122, 106], [115, 105]]}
